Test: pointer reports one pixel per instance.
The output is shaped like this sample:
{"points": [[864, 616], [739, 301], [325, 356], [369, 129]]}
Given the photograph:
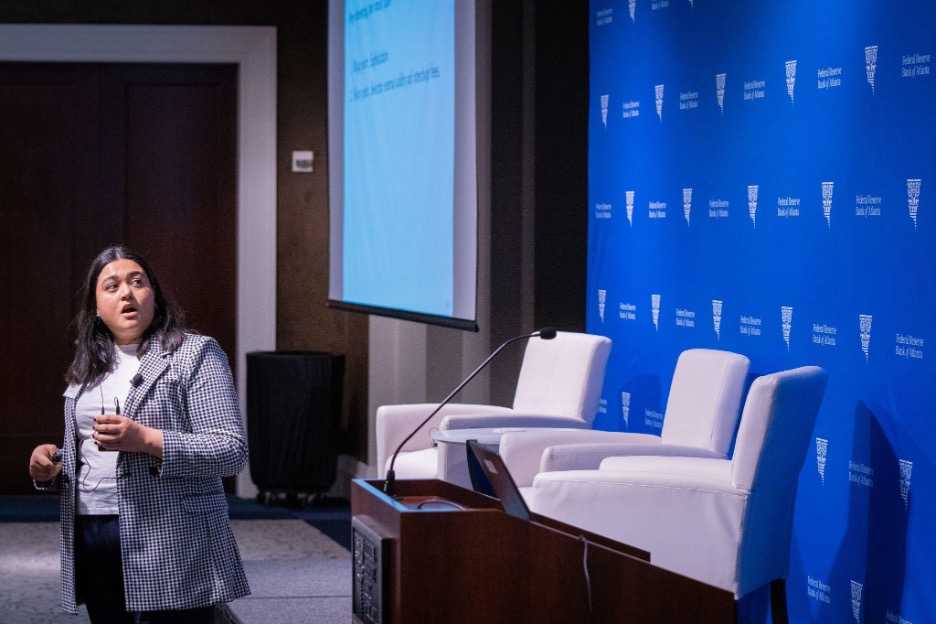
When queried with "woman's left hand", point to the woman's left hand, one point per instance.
{"points": [[119, 433]]}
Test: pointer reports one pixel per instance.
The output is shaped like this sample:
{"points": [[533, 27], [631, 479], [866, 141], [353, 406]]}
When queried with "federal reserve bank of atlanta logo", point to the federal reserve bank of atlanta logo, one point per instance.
{"points": [[856, 589], [871, 64], [906, 468], [913, 199], [790, 78], [687, 203], [604, 110], [822, 448], [716, 317], [602, 296], [720, 90], [752, 203], [632, 7], [786, 321], [625, 408], [658, 92], [827, 188], [864, 325], [655, 303], [629, 200]]}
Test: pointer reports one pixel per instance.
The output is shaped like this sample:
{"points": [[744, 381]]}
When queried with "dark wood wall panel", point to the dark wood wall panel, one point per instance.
{"points": [[42, 121], [92, 155], [181, 188]]}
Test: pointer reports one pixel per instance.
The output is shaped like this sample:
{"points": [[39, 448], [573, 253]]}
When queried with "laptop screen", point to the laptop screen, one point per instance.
{"points": [[489, 476]]}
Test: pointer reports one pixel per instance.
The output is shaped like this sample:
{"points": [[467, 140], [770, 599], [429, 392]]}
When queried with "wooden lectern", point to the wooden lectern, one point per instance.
{"points": [[441, 553]]}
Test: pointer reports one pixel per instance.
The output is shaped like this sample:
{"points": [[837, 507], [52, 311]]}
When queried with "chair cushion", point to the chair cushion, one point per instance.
{"points": [[416, 464]]}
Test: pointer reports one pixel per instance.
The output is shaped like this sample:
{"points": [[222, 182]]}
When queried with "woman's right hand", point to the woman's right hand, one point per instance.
{"points": [[41, 466]]}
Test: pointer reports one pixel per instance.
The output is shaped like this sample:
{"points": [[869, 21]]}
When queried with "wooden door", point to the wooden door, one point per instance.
{"points": [[92, 155]]}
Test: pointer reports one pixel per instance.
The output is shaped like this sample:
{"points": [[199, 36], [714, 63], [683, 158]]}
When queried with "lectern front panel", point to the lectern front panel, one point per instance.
{"points": [[369, 562]]}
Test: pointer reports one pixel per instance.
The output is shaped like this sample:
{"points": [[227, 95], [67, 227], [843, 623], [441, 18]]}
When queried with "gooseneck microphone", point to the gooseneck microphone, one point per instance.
{"points": [[546, 333]]}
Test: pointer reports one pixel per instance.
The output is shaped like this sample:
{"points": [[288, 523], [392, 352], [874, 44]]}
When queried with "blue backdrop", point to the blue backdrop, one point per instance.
{"points": [[760, 176]]}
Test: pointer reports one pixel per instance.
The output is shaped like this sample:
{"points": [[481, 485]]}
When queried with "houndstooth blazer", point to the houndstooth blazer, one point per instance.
{"points": [[176, 542]]}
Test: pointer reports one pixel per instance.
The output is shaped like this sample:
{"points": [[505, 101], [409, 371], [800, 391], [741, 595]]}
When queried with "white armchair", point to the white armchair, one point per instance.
{"points": [[701, 414], [559, 386], [726, 522]]}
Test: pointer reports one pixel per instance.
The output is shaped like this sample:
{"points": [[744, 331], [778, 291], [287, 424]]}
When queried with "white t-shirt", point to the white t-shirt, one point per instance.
{"points": [[96, 491]]}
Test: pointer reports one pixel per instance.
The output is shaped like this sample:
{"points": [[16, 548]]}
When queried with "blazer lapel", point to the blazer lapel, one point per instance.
{"points": [[152, 366]]}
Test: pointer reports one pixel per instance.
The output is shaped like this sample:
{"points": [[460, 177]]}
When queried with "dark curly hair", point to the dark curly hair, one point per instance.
{"points": [[94, 343]]}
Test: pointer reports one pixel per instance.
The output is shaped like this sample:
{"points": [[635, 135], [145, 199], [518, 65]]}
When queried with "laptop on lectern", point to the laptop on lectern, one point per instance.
{"points": [[489, 476]]}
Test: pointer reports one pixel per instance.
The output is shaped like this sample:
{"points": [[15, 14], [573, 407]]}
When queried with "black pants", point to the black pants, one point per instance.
{"points": [[99, 573]]}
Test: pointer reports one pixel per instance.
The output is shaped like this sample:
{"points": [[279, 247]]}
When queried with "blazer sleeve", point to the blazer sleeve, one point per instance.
{"points": [[212, 442]]}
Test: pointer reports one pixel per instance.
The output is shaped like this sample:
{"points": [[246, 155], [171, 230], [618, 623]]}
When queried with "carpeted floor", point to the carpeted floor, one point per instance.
{"points": [[297, 562]]}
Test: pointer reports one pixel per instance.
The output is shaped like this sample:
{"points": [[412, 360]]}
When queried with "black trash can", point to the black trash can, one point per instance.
{"points": [[293, 421]]}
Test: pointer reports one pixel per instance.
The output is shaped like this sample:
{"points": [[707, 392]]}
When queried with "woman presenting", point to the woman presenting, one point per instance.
{"points": [[151, 427]]}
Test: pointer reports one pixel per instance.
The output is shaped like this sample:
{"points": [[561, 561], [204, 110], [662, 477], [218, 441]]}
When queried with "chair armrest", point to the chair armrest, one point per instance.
{"points": [[523, 450], [596, 492], [585, 456], [510, 419], [592, 456], [395, 422], [714, 469], [698, 474], [667, 450]]}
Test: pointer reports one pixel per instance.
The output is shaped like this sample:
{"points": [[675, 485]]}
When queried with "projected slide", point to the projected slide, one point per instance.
{"points": [[399, 155]]}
